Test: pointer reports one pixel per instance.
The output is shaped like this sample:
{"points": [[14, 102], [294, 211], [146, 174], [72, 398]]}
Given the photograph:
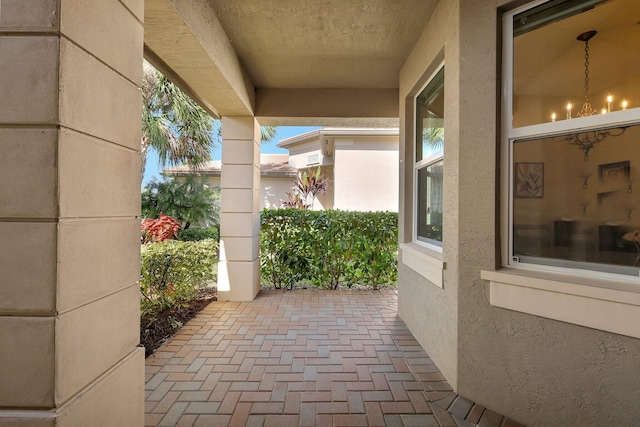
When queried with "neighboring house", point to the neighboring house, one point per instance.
{"points": [[361, 165], [276, 177]]}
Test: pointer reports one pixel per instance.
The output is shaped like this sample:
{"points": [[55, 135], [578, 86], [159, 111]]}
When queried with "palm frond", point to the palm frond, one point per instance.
{"points": [[173, 124]]}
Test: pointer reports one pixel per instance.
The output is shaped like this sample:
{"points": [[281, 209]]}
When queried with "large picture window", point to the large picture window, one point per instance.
{"points": [[571, 128], [429, 152]]}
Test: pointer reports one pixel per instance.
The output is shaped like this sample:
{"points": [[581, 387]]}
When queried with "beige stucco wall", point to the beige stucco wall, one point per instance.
{"points": [[421, 304], [69, 255], [362, 169], [239, 265], [538, 371], [274, 190], [365, 176], [299, 155]]}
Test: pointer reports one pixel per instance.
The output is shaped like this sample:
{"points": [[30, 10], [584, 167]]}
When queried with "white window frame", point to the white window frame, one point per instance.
{"points": [[599, 300], [511, 134], [424, 258], [423, 163]]}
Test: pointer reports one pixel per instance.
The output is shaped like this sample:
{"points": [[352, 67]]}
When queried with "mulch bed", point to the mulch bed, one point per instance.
{"points": [[155, 331]]}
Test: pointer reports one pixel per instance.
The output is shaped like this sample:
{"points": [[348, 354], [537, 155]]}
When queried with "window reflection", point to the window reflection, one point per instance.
{"points": [[569, 209], [430, 201], [429, 160]]}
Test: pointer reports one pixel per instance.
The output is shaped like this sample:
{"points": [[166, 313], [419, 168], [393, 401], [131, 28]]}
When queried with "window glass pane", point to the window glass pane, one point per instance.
{"points": [[430, 119], [573, 211], [430, 202], [549, 67]]}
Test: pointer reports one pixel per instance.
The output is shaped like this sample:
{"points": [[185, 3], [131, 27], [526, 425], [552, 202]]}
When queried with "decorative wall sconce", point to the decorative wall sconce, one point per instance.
{"points": [[629, 210], [583, 207], [584, 176]]}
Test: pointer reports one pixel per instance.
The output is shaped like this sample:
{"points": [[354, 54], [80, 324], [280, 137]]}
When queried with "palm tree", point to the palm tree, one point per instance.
{"points": [[175, 126], [190, 201], [172, 123]]}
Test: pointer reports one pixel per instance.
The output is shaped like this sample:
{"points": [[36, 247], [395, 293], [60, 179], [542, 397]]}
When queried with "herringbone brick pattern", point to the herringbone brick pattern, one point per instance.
{"points": [[302, 357]]}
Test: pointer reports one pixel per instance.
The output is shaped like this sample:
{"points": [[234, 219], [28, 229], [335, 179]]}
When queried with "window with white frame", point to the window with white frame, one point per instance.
{"points": [[571, 132], [429, 161]]}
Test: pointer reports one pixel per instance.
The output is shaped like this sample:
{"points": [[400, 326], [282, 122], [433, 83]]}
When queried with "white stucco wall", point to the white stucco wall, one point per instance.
{"points": [[272, 190], [366, 174], [301, 154]]}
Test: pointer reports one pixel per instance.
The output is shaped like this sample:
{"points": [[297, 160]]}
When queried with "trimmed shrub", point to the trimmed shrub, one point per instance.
{"points": [[172, 271], [328, 248], [197, 234]]}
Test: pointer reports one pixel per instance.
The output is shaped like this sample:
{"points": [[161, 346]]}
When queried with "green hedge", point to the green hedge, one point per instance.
{"points": [[172, 271], [195, 234], [328, 248]]}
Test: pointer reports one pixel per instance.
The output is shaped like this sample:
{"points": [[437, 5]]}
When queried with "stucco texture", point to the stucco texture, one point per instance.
{"points": [[537, 371], [429, 311]]}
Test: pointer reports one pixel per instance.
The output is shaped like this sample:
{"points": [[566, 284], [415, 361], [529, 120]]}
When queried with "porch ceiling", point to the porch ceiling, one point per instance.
{"points": [[288, 61]]}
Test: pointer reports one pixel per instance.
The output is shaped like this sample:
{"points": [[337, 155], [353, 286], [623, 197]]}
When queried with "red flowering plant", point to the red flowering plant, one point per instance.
{"points": [[632, 236], [160, 229]]}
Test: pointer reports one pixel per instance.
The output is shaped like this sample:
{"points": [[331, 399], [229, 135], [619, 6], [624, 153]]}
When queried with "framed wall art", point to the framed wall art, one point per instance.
{"points": [[529, 180]]}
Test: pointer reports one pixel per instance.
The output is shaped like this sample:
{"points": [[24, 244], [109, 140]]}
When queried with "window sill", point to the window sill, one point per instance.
{"points": [[608, 305], [426, 262]]}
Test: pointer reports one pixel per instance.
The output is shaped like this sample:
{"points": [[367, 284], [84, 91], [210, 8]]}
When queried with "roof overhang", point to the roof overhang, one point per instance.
{"points": [[291, 62]]}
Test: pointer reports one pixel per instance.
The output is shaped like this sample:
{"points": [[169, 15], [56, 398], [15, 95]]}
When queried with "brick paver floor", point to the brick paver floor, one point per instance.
{"points": [[303, 358]]}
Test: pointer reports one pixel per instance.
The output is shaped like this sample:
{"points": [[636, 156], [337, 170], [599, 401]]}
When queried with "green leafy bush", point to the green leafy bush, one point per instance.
{"points": [[172, 271], [328, 248], [197, 234], [191, 201]]}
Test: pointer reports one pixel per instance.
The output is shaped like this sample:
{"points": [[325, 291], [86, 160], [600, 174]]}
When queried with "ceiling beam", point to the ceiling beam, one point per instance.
{"points": [[356, 107], [185, 39]]}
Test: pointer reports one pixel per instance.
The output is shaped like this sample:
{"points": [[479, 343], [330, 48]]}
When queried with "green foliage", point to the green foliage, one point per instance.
{"points": [[172, 123], [190, 201], [197, 234], [283, 262], [171, 272], [376, 249], [308, 185], [328, 248], [175, 126]]}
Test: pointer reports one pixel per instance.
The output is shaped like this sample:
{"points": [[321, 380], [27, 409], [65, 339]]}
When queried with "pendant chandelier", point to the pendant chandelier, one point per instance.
{"points": [[585, 141]]}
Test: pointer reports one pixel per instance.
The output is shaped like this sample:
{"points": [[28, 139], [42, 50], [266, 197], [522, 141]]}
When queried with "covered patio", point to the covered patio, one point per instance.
{"points": [[303, 357], [547, 343]]}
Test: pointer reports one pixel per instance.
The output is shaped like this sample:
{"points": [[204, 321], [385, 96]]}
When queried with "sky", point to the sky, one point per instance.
{"points": [[152, 170]]}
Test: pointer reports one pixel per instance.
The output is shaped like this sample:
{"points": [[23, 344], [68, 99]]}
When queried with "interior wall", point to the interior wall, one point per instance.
{"points": [[564, 195]]}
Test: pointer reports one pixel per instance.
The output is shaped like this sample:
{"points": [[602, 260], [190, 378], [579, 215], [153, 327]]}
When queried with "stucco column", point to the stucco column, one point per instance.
{"points": [[69, 196], [239, 267]]}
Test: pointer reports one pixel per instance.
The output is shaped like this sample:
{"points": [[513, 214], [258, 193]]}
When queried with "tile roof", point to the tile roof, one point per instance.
{"points": [[270, 165]]}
